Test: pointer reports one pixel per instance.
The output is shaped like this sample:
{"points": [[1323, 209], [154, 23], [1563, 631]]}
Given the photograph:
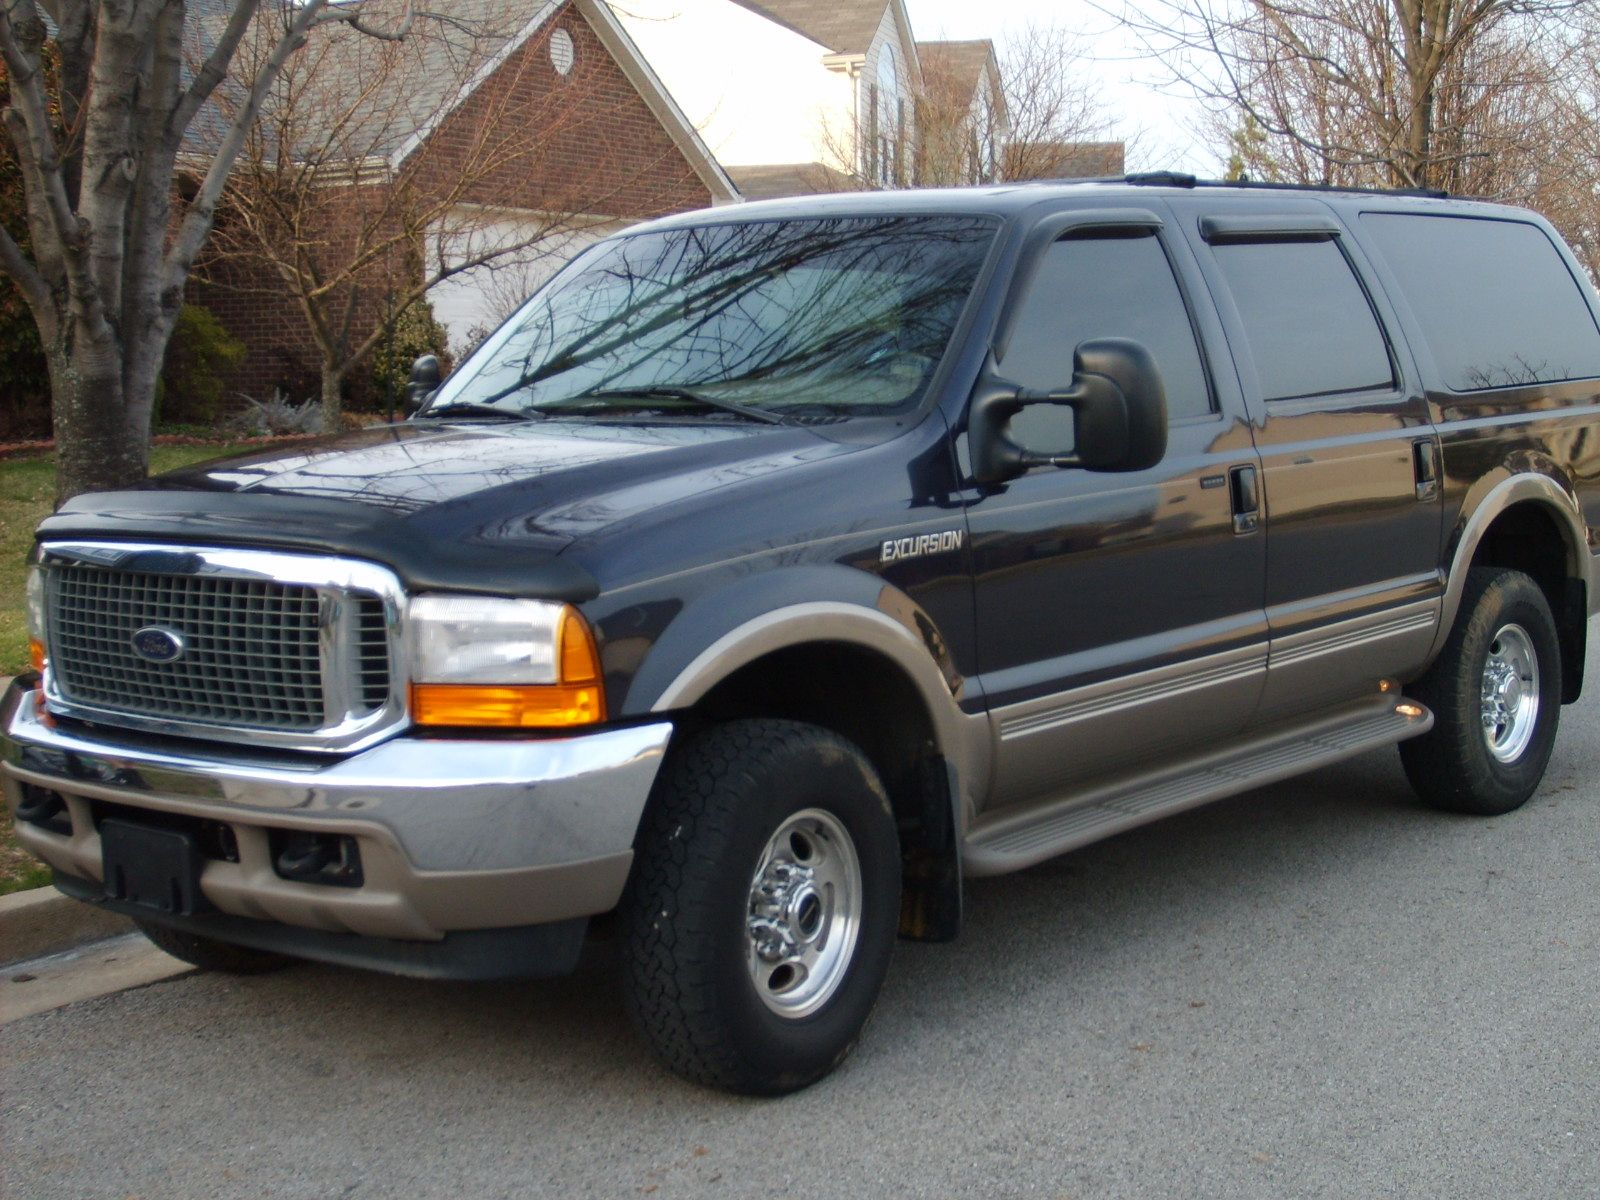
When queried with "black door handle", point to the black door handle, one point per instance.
{"points": [[1246, 499]]}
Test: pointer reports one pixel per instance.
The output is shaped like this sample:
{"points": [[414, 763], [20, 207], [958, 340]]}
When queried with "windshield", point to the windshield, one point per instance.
{"points": [[846, 315]]}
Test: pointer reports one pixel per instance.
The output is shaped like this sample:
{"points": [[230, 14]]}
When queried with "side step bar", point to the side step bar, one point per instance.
{"points": [[1015, 841]]}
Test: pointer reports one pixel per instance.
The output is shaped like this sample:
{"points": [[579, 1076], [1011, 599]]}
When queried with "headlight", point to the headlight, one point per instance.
{"points": [[36, 644], [518, 663]]}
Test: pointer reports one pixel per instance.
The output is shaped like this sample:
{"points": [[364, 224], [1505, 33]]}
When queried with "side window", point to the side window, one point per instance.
{"points": [[1311, 328], [1498, 306], [1098, 287]]}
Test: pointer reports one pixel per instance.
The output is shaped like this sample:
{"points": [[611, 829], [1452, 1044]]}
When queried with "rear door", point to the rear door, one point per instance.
{"points": [[1119, 616], [1349, 455]]}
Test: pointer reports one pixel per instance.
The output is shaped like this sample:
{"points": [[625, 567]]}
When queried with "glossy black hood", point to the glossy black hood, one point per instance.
{"points": [[475, 506]]}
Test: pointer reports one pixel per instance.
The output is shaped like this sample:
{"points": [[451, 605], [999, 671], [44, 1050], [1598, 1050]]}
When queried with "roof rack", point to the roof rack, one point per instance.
{"points": [[1179, 179]]}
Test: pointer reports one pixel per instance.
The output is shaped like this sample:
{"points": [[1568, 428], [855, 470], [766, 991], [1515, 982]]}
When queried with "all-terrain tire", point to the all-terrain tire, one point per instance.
{"points": [[1467, 763], [692, 916], [211, 955]]}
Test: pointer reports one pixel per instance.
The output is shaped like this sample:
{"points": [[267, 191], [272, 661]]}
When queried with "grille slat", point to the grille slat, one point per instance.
{"points": [[252, 656]]}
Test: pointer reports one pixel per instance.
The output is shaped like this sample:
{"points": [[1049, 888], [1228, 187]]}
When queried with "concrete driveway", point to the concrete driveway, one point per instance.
{"points": [[1318, 989]]}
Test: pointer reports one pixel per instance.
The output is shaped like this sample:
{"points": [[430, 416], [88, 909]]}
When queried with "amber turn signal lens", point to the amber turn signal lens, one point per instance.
{"points": [[527, 706], [36, 654], [579, 661]]}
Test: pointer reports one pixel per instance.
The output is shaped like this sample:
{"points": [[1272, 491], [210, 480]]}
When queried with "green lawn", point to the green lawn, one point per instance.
{"points": [[27, 487]]}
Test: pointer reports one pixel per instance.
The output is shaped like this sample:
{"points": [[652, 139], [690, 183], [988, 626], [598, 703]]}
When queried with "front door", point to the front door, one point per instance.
{"points": [[1119, 615]]}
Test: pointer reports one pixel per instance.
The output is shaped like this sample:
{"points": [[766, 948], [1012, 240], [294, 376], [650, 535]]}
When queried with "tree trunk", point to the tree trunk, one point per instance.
{"points": [[332, 397], [95, 449]]}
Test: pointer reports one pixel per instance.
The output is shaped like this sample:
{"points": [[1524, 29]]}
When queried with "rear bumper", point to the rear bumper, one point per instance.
{"points": [[454, 835]]}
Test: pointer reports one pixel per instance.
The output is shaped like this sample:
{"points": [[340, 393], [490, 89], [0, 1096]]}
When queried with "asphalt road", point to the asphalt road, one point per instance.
{"points": [[1317, 989]]}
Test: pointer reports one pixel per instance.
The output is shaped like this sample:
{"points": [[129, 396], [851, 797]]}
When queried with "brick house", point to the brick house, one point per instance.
{"points": [[529, 125]]}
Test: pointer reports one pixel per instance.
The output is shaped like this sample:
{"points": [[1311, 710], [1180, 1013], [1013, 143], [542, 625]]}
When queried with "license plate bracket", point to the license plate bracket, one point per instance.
{"points": [[158, 869]]}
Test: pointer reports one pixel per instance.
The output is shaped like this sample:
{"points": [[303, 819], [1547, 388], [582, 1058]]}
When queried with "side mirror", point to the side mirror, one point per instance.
{"points": [[425, 376], [1119, 415]]}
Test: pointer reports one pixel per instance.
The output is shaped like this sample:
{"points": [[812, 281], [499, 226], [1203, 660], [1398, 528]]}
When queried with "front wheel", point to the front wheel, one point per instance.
{"points": [[1495, 692], [763, 906]]}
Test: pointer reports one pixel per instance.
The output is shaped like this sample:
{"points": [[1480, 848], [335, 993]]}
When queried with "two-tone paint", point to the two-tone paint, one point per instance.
{"points": [[1062, 631]]}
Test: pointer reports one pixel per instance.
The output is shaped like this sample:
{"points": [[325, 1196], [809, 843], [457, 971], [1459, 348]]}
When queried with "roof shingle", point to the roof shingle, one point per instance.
{"points": [[843, 26]]}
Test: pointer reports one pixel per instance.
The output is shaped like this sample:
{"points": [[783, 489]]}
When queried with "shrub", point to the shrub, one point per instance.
{"points": [[277, 415], [200, 357], [414, 333]]}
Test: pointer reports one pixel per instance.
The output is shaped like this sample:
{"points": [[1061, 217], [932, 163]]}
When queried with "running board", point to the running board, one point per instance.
{"points": [[1020, 840]]}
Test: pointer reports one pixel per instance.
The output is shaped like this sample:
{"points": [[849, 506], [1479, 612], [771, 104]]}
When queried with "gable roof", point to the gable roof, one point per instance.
{"points": [[843, 26], [957, 66], [455, 48], [768, 181]]}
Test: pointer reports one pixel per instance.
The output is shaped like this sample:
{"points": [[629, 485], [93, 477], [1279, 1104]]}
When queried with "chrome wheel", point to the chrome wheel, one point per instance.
{"points": [[1510, 694], [804, 913]]}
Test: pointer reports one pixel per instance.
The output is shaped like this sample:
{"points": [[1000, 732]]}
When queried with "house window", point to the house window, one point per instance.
{"points": [[562, 52], [887, 94], [870, 148]]}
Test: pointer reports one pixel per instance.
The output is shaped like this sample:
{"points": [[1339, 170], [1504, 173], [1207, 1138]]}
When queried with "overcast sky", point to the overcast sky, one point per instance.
{"points": [[1127, 82]]}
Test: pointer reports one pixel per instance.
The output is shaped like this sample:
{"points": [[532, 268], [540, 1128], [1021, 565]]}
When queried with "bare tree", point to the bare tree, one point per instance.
{"points": [[370, 180], [98, 139], [1454, 94]]}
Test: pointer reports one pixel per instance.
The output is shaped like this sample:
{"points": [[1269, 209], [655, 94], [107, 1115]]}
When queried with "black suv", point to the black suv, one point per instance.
{"points": [[776, 567]]}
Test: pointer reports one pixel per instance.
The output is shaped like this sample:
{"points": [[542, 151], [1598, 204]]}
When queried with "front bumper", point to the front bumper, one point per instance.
{"points": [[454, 835]]}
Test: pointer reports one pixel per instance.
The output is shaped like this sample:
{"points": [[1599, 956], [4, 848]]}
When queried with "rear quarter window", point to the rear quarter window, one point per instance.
{"points": [[1494, 298]]}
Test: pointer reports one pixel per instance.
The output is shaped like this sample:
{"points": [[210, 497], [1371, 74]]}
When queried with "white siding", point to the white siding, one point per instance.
{"points": [[902, 105], [472, 303]]}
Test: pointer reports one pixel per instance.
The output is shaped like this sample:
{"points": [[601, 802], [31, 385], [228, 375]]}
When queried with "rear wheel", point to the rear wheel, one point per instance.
{"points": [[1495, 692], [763, 906], [211, 955]]}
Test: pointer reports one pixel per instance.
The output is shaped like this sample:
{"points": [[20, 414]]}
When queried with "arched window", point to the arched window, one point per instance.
{"points": [[888, 118]]}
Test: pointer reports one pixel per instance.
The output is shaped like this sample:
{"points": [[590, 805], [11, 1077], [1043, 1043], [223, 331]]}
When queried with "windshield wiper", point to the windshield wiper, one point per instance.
{"points": [[698, 399], [466, 408]]}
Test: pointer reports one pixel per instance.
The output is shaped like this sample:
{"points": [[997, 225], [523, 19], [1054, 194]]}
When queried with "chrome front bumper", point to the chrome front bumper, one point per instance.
{"points": [[453, 834]]}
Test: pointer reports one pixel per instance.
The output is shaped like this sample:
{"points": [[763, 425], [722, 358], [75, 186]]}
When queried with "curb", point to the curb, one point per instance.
{"points": [[43, 921]]}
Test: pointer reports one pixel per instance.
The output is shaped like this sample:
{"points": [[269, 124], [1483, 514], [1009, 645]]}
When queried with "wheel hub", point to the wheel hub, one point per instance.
{"points": [[1510, 693], [786, 910], [804, 913]]}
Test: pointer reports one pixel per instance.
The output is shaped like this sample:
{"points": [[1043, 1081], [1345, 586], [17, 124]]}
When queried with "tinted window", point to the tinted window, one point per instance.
{"points": [[1310, 326], [1094, 288], [1498, 306]]}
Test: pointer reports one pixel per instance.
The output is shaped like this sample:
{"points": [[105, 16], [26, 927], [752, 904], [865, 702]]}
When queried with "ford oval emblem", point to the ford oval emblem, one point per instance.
{"points": [[158, 645]]}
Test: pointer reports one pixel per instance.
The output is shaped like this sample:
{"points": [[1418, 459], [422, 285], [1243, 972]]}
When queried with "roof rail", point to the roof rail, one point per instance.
{"points": [[1180, 179]]}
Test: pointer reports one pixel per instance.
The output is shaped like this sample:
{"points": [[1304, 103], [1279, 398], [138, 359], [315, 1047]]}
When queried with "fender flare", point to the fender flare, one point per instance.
{"points": [[729, 628]]}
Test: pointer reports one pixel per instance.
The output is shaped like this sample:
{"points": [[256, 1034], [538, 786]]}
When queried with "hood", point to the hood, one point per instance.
{"points": [[442, 503]]}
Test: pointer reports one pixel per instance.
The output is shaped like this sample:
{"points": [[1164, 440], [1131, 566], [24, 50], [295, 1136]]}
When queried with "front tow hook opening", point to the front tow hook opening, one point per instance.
{"points": [[329, 859]]}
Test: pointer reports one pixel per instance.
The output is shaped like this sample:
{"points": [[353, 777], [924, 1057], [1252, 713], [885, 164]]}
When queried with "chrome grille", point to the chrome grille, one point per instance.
{"points": [[276, 649], [250, 648], [372, 652]]}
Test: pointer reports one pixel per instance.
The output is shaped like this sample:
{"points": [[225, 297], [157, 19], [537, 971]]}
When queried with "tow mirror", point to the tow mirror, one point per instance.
{"points": [[425, 376], [1119, 415]]}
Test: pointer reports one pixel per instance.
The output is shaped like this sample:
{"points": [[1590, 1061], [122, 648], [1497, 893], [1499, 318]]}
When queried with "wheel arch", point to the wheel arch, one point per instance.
{"points": [[880, 677], [1532, 522]]}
